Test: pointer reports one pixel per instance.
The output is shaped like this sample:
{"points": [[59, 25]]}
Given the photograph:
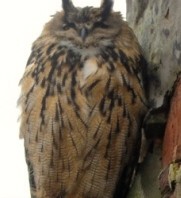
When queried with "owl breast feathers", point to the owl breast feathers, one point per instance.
{"points": [[82, 104]]}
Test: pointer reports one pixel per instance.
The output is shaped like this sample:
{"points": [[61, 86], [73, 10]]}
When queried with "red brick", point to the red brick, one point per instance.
{"points": [[172, 138]]}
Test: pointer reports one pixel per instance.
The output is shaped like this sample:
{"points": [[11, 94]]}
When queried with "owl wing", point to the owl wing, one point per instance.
{"points": [[133, 77], [52, 125], [115, 93]]}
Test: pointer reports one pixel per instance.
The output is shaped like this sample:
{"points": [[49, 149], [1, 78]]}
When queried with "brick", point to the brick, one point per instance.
{"points": [[172, 138]]}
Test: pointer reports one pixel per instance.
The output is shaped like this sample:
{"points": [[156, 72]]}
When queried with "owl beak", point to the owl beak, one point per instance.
{"points": [[83, 33]]}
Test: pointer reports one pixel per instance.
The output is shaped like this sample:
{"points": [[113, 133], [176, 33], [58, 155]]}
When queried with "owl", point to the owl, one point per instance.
{"points": [[82, 105]]}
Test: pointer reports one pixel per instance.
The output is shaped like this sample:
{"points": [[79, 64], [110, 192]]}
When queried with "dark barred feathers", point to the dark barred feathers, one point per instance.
{"points": [[82, 105]]}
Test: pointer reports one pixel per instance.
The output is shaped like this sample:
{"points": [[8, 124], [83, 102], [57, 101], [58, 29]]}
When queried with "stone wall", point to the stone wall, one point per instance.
{"points": [[157, 25]]}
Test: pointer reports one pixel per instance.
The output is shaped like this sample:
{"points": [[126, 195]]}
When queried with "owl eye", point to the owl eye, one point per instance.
{"points": [[100, 24], [67, 26]]}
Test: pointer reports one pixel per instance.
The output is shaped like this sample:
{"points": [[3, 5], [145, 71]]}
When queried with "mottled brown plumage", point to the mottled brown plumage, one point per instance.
{"points": [[82, 105]]}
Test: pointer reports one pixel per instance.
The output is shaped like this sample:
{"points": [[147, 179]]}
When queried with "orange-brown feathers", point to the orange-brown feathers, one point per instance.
{"points": [[82, 102]]}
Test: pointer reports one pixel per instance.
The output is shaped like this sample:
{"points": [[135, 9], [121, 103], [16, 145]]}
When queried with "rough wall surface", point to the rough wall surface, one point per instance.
{"points": [[157, 25]]}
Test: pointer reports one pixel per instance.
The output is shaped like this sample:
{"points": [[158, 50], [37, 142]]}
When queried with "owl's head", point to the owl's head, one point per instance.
{"points": [[85, 26]]}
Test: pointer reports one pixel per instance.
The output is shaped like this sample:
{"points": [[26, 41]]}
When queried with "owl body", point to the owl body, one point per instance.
{"points": [[82, 104]]}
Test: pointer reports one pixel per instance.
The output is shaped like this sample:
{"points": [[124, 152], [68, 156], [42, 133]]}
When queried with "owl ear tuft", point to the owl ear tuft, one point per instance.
{"points": [[67, 6], [106, 8]]}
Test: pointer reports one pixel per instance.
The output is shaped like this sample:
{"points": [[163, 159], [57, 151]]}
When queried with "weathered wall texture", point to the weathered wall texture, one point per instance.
{"points": [[157, 24]]}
